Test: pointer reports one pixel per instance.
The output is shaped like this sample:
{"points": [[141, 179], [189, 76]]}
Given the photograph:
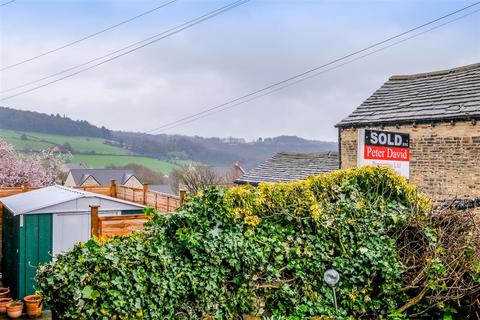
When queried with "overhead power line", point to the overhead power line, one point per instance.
{"points": [[156, 38], [5, 3], [212, 112], [86, 37], [162, 34], [311, 72]]}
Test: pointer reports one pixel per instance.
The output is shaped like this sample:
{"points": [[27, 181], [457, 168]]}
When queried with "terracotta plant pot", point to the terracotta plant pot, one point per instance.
{"points": [[34, 305], [4, 292], [4, 302], [14, 309]]}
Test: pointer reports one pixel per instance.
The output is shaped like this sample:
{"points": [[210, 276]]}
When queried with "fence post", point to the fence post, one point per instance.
{"points": [[145, 190], [25, 187], [94, 219], [168, 203], [113, 189], [182, 195]]}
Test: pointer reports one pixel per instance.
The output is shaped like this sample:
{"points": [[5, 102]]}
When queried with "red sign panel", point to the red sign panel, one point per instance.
{"points": [[386, 153]]}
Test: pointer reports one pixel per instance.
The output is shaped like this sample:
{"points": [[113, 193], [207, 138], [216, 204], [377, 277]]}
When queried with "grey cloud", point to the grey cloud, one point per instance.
{"points": [[209, 65]]}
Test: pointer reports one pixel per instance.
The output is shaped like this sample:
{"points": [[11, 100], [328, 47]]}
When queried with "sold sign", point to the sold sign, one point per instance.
{"points": [[387, 139], [384, 148]]}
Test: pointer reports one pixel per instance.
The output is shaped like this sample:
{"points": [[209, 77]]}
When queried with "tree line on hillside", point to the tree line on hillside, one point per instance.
{"points": [[173, 148], [217, 151], [213, 151], [54, 124]]}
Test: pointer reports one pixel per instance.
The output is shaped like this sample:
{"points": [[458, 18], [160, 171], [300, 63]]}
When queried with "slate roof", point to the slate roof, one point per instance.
{"points": [[102, 176], [162, 188], [445, 95], [284, 167], [223, 172]]}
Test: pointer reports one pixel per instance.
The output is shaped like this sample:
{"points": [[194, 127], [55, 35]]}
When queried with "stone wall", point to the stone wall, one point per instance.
{"points": [[90, 182], [70, 182], [444, 158], [133, 182]]}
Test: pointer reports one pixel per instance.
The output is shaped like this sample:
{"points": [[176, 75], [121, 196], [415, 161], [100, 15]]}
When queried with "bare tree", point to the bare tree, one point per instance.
{"points": [[194, 178]]}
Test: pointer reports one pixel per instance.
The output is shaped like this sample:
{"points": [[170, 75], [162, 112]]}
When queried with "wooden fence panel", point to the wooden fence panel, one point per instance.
{"points": [[162, 202], [103, 190], [137, 195], [159, 201], [5, 192], [120, 225]]}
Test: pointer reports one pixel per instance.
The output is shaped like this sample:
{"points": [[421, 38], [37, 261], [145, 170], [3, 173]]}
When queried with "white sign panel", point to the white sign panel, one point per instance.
{"points": [[384, 148]]}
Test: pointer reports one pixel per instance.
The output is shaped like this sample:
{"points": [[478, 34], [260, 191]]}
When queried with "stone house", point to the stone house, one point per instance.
{"points": [[228, 174], [440, 111], [287, 166], [102, 177], [162, 188]]}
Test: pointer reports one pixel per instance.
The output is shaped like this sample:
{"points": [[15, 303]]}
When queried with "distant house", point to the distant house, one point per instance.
{"points": [[197, 177], [162, 188], [69, 166], [227, 175], [99, 177], [285, 167]]}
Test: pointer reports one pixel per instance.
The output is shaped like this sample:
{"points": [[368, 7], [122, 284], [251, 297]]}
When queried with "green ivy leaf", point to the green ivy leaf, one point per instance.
{"points": [[89, 293]]}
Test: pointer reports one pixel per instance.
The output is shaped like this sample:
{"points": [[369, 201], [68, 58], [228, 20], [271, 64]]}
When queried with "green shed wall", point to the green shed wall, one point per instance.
{"points": [[24, 249], [35, 249], [137, 211], [11, 247]]}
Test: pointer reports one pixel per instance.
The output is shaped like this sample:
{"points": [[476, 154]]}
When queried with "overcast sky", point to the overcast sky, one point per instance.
{"points": [[247, 48]]}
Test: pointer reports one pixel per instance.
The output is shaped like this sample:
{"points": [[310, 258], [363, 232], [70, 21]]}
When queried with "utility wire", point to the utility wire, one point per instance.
{"points": [[86, 37], [165, 34], [5, 3], [172, 124], [212, 112], [133, 45]]}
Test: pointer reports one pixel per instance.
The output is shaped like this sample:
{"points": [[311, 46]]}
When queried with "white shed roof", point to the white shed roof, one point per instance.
{"points": [[54, 196]]}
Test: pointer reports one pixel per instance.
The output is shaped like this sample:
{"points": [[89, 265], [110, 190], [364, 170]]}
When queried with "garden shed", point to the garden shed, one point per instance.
{"points": [[42, 223]]}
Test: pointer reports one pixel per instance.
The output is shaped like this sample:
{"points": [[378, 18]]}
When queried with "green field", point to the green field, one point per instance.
{"points": [[104, 154], [99, 161], [38, 141]]}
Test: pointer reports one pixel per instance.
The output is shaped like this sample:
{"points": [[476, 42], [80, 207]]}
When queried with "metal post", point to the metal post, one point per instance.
{"points": [[335, 299], [331, 277]]}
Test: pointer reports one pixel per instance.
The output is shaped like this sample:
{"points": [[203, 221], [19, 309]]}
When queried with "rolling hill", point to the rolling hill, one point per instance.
{"points": [[91, 152], [100, 147], [34, 141]]}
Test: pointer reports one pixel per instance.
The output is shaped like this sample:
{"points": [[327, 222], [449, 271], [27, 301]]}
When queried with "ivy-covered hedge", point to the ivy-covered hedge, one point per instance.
{"points": [[257, 251]]}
